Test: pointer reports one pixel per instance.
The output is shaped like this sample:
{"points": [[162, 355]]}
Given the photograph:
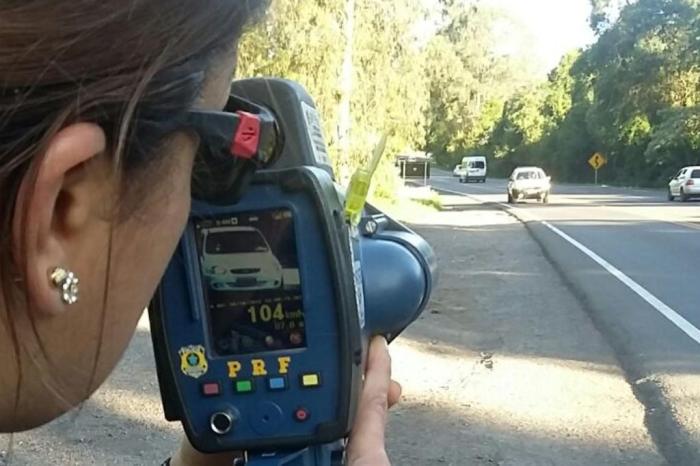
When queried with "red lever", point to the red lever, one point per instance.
{"points": [[247, 138]]}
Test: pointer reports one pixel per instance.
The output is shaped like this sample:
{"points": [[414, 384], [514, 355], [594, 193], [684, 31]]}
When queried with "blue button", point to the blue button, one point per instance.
{"points": [[277, 383]]}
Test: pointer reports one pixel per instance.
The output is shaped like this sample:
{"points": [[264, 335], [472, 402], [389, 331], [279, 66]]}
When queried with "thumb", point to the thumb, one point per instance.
{"points": [[366, 445]]}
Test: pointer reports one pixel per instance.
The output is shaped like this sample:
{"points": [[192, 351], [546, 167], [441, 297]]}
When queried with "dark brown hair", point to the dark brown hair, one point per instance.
{"points": [[131, 66]]}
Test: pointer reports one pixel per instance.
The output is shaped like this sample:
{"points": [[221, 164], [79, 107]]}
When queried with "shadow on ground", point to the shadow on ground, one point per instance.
{"points": [[502, 369]]}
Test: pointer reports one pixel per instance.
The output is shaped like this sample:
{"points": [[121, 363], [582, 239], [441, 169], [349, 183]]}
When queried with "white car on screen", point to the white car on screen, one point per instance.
{"points": [[529, 183], [239, 258], [685, 184]]}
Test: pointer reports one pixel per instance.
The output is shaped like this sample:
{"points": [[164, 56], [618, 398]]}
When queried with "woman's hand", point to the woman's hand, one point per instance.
{"points": [[188, 456], [366, 447]]}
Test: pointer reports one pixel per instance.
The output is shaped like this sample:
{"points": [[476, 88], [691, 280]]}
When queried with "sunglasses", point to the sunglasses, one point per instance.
{"points": [[234, 143]]}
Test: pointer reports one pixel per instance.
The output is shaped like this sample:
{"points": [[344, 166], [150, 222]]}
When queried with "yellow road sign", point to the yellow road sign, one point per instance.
{"points": [[597, 161]]}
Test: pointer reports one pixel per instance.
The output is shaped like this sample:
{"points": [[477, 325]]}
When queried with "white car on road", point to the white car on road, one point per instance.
{"points": [[239, 258], [529, 183], [685, 184]]}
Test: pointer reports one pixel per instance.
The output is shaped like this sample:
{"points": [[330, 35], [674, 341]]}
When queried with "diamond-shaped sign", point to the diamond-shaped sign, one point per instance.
{"points": [[597, 161]]}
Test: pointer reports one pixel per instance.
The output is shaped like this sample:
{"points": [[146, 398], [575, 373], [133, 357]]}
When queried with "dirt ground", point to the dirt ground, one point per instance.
{"points": [[505, 368]]}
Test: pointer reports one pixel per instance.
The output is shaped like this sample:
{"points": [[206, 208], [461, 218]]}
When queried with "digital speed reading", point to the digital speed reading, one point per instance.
{"points": [[265, 313]]}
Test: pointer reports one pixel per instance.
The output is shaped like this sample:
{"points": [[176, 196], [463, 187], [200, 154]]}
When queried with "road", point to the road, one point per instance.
{"points": [[545, 343], [633, 259], [516, 378]]}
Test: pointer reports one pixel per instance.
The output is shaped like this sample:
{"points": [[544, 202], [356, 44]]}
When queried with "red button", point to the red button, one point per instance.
{"points": [[211, 389], [301, 414], [247, 138]]}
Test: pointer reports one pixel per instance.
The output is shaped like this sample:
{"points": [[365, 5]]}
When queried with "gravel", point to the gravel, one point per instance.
{"points": [[504, 368]]}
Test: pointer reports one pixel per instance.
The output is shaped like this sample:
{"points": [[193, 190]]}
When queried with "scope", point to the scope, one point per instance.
{"points": [[261, 321]]}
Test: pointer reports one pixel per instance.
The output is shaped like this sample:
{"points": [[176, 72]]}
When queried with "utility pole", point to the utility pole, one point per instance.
{"points": [[346, 85]]}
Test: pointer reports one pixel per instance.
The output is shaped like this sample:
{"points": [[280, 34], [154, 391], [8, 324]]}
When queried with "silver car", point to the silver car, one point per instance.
{"points": [[685, 184], [459, 171], [529, 183]]}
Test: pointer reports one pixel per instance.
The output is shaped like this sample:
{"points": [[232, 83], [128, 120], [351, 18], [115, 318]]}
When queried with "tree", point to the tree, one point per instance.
{"points": [[299, 40], [633, 95], [603, 13], [306, 41], [471, 77]]}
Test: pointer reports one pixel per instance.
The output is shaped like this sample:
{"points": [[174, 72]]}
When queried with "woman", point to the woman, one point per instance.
{"points": [[95, 186]]}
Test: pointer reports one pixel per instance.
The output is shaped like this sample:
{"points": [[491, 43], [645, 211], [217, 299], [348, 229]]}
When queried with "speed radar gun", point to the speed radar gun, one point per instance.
{"points": [[261, 322]]}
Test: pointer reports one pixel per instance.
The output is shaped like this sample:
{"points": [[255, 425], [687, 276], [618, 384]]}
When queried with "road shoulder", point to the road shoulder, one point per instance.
{"points": [[663, 376], [506, 367]]}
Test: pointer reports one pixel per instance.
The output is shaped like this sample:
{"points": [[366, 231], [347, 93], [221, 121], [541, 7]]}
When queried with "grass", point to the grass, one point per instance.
{"points": [[410, 204]]}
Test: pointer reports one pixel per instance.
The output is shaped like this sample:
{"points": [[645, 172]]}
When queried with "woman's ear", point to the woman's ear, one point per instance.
{"points": [[54, 203]]}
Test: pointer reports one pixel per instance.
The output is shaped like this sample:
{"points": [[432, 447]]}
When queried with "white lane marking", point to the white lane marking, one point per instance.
{"points": [[674, 317], [678, 320]]}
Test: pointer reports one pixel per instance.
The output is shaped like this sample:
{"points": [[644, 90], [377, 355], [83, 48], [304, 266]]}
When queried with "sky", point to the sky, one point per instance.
{"points": [[557, 26]]}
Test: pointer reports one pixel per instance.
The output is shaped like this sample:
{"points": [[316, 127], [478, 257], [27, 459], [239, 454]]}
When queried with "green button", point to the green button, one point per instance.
{"points": [[244, 386]]}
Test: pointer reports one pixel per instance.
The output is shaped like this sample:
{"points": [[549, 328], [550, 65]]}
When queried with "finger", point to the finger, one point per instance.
{"points": [[368, 432], [395, 390], [187, 455]]}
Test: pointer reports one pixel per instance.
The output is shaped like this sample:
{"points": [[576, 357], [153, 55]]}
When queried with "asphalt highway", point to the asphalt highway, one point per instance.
{"points": [[633, 259]]}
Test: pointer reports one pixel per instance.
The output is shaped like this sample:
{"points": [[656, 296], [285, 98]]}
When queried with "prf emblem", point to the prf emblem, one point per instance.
{"points": [[193, 361]]}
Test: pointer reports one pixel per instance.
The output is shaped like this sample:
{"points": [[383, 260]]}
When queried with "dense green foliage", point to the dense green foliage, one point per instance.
{"points": [[471, 78], [433, 80], [304, 40], [634, 96], [458, 80]]}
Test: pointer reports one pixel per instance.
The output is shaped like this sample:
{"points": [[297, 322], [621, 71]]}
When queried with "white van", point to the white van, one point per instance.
{"points": [[239, 258], [474, 169]]}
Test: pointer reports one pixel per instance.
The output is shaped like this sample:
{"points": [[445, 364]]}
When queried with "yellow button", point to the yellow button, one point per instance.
{"points": [[310, 380]]}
